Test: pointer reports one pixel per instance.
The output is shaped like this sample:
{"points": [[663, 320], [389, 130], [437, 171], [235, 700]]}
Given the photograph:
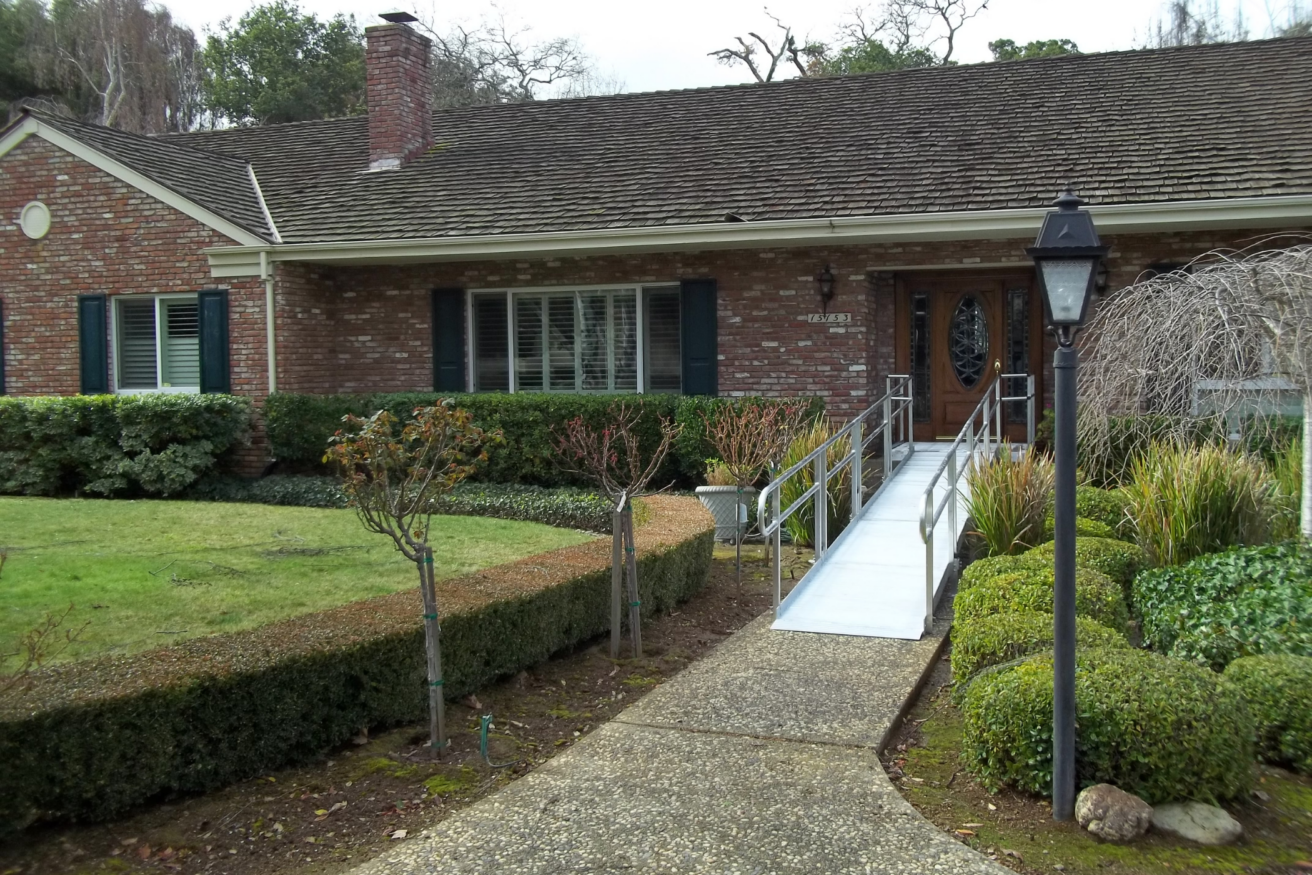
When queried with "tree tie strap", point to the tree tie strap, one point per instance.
{"points": [[428, 560], [635, 604], [486, 721], [430, 616], [437, 683]]}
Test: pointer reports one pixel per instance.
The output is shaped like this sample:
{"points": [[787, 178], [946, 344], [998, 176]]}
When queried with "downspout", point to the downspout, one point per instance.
{"points": [[270, 339]]}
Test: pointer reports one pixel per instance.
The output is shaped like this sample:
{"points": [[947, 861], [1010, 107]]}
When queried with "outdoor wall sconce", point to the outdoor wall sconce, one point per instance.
{"points": [[825, 285]]}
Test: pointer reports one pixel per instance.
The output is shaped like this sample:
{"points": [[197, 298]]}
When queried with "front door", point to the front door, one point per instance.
{"points": [[955, 334]]}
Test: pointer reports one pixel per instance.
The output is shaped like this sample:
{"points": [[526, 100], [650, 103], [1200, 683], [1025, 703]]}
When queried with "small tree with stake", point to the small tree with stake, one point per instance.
{"points": [[749, 438], [392, 479], [612, 458]]}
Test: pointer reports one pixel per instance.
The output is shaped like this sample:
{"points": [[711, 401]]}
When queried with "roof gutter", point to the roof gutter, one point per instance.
{"points": [[1255, 212]]}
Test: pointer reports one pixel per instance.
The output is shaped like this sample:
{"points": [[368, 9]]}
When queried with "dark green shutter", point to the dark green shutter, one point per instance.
{"points": [[215, 375], [700, 344], [93, 344], [448, 340]]}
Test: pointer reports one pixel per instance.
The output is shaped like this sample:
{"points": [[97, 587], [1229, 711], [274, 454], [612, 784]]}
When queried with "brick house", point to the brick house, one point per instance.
{"points": [[662, 242]]}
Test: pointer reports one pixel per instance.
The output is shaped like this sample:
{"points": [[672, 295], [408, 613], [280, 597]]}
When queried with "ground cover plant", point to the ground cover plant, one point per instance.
{"points": [[1222, 606], [149, 573]]}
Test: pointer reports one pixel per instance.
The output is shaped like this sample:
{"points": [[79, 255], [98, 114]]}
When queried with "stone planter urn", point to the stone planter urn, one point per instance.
{"points": [[721, 501]]}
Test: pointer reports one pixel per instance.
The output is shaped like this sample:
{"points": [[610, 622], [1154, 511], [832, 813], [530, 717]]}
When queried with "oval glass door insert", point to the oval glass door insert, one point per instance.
{"points": [[968, 341]]}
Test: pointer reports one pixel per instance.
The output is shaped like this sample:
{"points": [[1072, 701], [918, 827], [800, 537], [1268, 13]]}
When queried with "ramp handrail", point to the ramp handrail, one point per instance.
{"points": [[990, 437], [895, 414]]}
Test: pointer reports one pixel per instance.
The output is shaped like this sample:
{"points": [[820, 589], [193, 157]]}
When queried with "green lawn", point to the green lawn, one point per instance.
{"points": [[147, 573]]}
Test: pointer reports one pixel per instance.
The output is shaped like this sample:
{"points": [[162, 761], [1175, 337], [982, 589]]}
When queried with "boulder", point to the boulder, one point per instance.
{"points": [[1112, 814], [1197, 822]]}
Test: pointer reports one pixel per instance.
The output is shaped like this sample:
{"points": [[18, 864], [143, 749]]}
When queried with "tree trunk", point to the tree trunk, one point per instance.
{"points": [[616, 578], [433, 648], [1305, 509]]}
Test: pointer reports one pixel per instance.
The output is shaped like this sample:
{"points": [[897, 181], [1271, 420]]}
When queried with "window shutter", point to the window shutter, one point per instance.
{"points": [[93, 344], [213, 317], [700, 344], [449, 340]]}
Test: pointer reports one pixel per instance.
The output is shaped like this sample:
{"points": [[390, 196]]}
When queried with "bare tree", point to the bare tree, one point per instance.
{"points": [[1186, 23], [911, 21], [1211, 348], [787, 51]]}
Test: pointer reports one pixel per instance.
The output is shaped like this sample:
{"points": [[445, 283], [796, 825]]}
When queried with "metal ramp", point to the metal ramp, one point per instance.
{"points": [[883, 575], [871, 580]]}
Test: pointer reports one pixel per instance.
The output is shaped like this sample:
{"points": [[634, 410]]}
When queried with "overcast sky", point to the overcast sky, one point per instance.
{"points": [[649, 46]]}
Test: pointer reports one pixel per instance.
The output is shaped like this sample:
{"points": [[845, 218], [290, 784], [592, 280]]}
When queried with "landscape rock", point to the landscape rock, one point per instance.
{"points": [[1197, 822], [1112, 814]]}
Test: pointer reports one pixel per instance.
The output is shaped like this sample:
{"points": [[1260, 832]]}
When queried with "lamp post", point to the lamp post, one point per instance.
{"points": [[1066, 253]]}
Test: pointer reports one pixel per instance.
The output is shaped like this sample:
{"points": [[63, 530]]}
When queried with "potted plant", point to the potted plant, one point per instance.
{"points": [[720, 496]]}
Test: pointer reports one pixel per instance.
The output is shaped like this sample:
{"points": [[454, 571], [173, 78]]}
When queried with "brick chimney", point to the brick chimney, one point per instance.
{"points": [[399, 93]]}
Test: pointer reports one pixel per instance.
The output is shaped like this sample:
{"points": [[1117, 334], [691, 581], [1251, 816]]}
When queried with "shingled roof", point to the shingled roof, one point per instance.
{"points": [[1191, 123]]}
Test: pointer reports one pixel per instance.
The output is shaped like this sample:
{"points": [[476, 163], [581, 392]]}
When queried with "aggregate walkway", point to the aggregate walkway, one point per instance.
{"points": [[761, 758], [871, 581]]}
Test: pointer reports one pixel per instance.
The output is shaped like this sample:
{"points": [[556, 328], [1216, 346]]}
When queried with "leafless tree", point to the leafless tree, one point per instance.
{"points": [[1212, 346], [788, 51], [912, 21], [1190, 23]]}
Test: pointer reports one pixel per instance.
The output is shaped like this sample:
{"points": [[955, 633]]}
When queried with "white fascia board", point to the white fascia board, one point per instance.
{"points": [[31, 126], [1256, 212]]}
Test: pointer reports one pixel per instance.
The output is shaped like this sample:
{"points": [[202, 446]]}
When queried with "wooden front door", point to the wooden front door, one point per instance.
{"points": [[955, 335]]}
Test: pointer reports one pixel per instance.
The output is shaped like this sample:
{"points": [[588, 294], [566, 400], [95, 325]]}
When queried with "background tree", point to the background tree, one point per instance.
{"points": [[612, 458], [21, 25], [1195, 23], [392, 480], [753, 52], [1007, 50], [278, 64]]}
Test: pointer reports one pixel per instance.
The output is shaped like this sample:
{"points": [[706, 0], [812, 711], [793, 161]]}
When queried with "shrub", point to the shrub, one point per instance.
{"points": [[1107, 506], [1118, 560], [1154, 726], [1217, 608], [983, 642], [1109, 447], [116, 444], [801, 525], [1007, 500], [89, 740], [991, 566], [299, 427], [1084, 528], [1287, 472], [1278, 690], [1097, 597], [1188, 501]]}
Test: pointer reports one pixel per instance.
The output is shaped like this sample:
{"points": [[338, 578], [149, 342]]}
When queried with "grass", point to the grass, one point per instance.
{"points": [[142, 574], [1019, 832], [1008, 498]]}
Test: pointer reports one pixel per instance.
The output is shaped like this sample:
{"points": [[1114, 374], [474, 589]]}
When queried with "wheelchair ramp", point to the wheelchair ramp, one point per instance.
{"points": [[871, 580]]}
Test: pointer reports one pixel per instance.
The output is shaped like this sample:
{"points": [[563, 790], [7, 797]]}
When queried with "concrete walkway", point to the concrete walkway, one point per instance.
{"points": [[761, 758]]}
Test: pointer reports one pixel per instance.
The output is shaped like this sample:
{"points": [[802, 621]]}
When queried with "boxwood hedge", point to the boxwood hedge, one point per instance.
{"points": [[983, 642], [1278, 690], [116, 444], [1119, 560], [1097, 597], [299, 427], [89, 740], [1084, 528], [1158, 727], [1107, 506]]}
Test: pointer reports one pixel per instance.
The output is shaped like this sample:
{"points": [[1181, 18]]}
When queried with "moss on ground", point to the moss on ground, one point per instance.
{"points": [[1019, 832]]}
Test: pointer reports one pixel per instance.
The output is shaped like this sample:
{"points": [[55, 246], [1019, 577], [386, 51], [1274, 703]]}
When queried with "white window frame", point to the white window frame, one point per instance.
{"points": [[159, 349], [640, 291]]}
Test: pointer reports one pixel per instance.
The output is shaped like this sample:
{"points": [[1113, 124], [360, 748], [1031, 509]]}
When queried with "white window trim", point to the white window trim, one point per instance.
{"points": [[640, 291], [159, 353]]}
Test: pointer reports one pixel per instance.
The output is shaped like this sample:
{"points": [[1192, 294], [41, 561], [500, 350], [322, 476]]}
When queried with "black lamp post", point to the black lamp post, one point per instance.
{"points": [[1067, 253]]}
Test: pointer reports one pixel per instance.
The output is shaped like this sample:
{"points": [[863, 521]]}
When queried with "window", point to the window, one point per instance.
{"points": [[584, 340], [157, 344]]}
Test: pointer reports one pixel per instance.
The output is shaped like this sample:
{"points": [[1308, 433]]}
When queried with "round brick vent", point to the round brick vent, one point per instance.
{"points": [[35, 220]]}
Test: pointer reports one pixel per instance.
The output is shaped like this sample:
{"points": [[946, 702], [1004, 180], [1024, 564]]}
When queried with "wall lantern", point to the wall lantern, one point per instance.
{"points": [[1067, 253], [825, 284]]}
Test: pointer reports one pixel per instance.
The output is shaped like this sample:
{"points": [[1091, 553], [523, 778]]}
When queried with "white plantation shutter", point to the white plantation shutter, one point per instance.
{"points": [[664, 362], [136, 344], [181, 344]]}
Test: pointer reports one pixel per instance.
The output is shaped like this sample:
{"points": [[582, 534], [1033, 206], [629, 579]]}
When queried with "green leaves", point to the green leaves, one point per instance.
{"points": [[1278, 689], [1007, 500]]}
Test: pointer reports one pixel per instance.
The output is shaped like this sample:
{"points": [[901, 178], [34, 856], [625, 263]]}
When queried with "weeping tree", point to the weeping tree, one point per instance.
{"points": [[614, 458], [392, 479], [749, 439], [1211, 349]]}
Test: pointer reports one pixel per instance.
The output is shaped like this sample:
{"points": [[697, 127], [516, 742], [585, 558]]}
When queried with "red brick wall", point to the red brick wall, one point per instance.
{"points": [[399, 93], [105, 238]]}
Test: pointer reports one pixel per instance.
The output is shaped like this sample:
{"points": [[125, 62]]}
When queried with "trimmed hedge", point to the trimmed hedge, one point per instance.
{"points": [[1107, 506], [1278, 689], [565, 507], [1157, 727], [299, 427], [1097, 597], [1084, 528], [89, 740], [989, 567], [116, 444], [1219, 607], [983, 642], [1119, 560]]}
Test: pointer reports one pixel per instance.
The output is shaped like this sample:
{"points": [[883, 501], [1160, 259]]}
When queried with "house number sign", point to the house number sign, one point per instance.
{"points": [[829, 318]]}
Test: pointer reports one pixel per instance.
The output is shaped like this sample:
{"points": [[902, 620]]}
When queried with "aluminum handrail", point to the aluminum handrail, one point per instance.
{"points": [[990, 412], [895, 407]]}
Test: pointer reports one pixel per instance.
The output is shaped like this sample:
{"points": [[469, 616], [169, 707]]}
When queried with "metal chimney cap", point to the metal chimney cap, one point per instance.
{"points": [[398, 17]]}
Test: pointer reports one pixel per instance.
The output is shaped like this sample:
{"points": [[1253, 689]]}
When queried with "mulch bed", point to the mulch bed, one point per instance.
{"points": [[331, 816]]}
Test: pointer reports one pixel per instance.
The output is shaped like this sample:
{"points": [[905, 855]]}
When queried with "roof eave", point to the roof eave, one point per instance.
{"points": [[1238, 213]]}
